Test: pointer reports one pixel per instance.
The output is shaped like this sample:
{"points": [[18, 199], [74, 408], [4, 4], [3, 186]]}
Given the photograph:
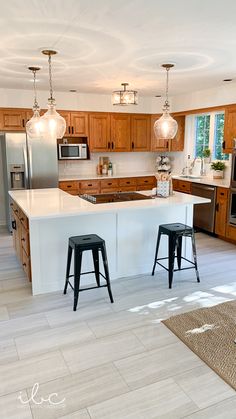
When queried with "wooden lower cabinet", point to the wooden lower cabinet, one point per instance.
{"points": [[221, 211], [72, 186], [21, 238], [182, 186]]}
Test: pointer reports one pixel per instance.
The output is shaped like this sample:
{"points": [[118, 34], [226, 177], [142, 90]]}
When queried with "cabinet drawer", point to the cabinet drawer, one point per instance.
{"points": [[128, 188], [15, 208], [175, 184], [184, 186], [24, 220], [26, 265], [25, 240], [146, 180], [128, 181], [222, 193], [109, 183], [71, 185], [89, 185]]}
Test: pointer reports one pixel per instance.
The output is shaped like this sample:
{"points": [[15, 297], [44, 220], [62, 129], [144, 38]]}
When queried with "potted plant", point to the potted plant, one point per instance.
{"points": [[218, 168], [206, 154]]}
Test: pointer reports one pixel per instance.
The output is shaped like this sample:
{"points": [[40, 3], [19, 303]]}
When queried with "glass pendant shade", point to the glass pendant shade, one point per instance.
{"points": [[125, 97], [53, 125], [166, 127], [33, 126]]}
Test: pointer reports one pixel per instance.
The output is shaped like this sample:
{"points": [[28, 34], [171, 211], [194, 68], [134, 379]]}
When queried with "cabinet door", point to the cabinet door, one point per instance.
{"points": [[140, 132], [79, 124], [229, 129], [177, 144], [66, 116], [120, 132], [99, 132], [157, 145], [221, 211], [13, 119]]}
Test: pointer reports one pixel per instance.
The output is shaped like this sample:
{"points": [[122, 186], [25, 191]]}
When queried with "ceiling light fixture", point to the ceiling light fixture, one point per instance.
{"points": [[166, 127], [53, 124], [125, 97], [34, 124]]}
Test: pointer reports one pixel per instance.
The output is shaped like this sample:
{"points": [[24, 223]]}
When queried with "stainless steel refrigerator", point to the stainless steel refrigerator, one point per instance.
{"points": [[27, 164]]}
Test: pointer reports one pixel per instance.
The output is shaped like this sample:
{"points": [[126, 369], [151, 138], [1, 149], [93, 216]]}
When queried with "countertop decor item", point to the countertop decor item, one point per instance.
{"points": [[33, 125], [53, 124], [163, 164], [125, 97], [218, 168], [166, 127]]}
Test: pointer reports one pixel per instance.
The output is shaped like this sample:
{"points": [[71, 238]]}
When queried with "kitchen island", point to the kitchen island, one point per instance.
{"points": [[129, 229]]}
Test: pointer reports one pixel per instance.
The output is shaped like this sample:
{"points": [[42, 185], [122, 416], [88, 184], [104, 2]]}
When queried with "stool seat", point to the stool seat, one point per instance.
{"points": [[88, 241], [175, 233], [80, 244]]}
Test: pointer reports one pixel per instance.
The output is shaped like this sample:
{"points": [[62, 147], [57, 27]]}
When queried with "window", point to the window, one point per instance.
{"points": [[209, 133]]}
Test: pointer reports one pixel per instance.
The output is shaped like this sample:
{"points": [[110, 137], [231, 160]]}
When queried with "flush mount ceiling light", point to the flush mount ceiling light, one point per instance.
{"points": [[125, 97], [53, 124], [166, 127], [34, 124]]}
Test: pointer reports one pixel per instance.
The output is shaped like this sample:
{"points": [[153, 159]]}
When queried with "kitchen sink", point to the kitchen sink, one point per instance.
{"points": [[190, 177]]}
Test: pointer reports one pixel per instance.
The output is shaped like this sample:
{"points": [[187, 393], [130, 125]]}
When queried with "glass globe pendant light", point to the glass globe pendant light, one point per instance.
{"points": [[166, 127], [33, 126], [53, 124]]}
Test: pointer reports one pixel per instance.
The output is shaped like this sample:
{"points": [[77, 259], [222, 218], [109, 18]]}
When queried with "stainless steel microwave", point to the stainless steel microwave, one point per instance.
{"points": [[72, 151]]}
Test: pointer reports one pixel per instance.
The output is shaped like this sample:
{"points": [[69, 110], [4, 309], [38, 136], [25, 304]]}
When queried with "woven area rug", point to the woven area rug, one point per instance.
{"points": [[210, 333]]}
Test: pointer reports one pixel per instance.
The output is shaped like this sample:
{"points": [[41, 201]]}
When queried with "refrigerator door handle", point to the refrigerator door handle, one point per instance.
{"points": [[27, 175]]}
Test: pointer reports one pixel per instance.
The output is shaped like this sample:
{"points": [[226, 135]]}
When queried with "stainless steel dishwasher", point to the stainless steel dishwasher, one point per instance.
{"points": [[204, 214]]}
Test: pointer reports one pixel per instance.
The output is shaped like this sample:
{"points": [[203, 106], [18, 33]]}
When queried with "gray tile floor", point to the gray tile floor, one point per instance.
{"points": [[111, 361]]}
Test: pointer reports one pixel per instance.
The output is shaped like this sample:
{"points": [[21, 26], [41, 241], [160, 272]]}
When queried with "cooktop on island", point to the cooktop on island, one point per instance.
{"points": [[104, 198]]}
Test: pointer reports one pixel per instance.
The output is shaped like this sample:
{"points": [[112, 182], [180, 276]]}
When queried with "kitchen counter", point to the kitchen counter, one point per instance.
{"points": [[97, 177], [129, 229], [204, 180]]}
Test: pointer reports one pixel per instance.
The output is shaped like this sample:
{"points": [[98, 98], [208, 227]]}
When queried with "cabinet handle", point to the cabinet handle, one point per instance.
{"points": [[23, 123], [13, 224], [108, 144], [127, 183], [69, 186], [22, 219], [11, 204], [90, 184], [132, 145], [110, 183], [167, 144], [69, 129], [23, 239], [23, 264], [145, 181], [112, 145], [222, 194], [72, 130], [217, 206], [223, 145], [16, 211]]}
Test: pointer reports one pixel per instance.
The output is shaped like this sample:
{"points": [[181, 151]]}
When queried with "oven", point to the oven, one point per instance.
{"points": [[232, 206]]}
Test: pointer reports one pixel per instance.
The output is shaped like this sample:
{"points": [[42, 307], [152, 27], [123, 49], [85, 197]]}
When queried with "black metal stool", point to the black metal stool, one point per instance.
{"points": [[79, 244], [175, 233]]}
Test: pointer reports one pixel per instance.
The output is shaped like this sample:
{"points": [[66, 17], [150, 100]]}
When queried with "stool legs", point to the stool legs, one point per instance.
{"points": [[77, 271], [105, 263], [157, 248], [171, 246], [179, 251], [96, 266], [69, 254], [195, 256]]}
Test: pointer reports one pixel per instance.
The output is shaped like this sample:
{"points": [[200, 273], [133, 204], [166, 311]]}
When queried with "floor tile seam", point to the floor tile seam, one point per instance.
{"points": [[207, 407]]}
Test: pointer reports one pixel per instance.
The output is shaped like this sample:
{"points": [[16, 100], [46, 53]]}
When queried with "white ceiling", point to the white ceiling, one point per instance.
{"points": [[102, 43]]}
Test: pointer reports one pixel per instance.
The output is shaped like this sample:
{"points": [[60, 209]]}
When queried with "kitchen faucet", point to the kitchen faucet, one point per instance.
{"points": [[202, 168], [189, 168]]}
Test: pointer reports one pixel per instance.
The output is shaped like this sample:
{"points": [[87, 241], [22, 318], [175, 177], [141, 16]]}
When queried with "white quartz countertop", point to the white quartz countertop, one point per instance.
{"points": [[97, 177], [52, 203], [204, 180]]}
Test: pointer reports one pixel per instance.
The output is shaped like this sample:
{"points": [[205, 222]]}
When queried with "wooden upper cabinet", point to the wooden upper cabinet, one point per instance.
{"points": [[76, 123], [99, 132], [140, 132], [120, 132], [177, 144], [158, 145], [79, 124], [229, 129], [13, 119]]}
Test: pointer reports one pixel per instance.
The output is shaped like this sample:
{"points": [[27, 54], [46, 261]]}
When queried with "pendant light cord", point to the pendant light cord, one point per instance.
{"points": [[167, 105], [50, 78], [36, 105]]}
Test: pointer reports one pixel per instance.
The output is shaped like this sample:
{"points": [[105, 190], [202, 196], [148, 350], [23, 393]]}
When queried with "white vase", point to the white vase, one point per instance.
{"points": [[218, 174]]}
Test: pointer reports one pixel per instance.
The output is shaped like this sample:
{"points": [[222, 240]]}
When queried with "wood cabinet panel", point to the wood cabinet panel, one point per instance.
{"points": [[66, 116], [146, 180], [130, 188], [110, 190], [182, 186], [26, 265], [229, 129], [140, 132], [79, 124], [89, 186], [25, 240], [127, 181], [120, 132], [72, 186], [12, 119], [231, 232], [109, 183], [177, 144], [221, 211], [99, 132]]}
